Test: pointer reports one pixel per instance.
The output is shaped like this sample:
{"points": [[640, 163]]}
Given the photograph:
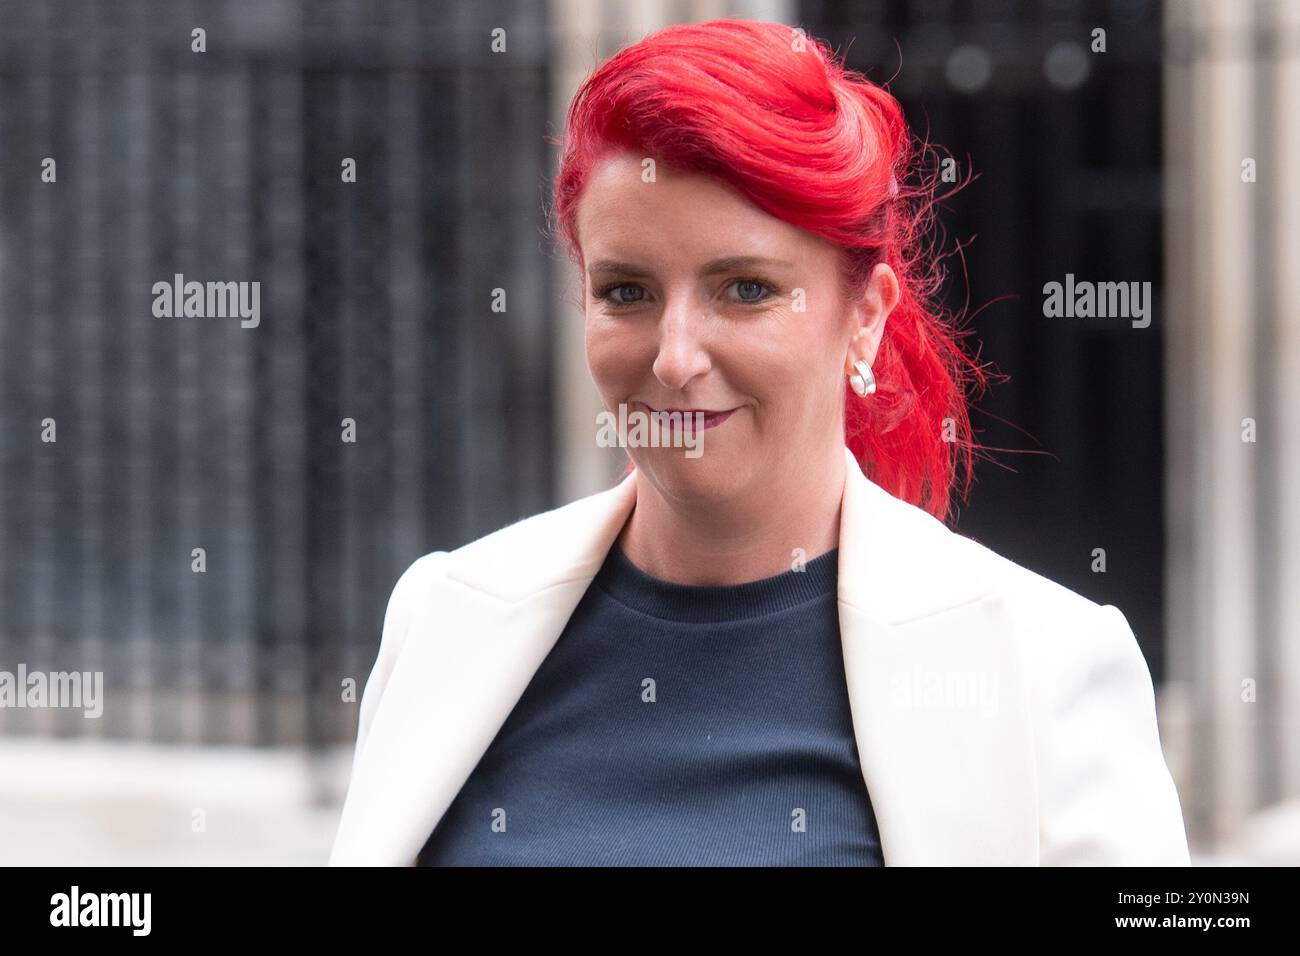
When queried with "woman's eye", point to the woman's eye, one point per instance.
{"points": [[629, 293], [610, 293], [752, 290]]}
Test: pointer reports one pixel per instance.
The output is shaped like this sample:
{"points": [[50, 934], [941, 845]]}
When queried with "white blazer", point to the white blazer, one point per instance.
{"points": [[1000, 718]]}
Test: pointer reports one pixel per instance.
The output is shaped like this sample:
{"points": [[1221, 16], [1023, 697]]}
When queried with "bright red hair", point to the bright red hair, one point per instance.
{"points": [[778, 116]]}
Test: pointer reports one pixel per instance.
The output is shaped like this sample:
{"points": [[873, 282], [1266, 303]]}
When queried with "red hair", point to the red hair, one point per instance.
{"points": [[778, 116]]}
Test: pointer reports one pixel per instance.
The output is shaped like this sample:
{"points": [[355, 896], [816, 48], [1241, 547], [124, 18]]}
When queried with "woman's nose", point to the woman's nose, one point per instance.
{"points": [[682, 353]]}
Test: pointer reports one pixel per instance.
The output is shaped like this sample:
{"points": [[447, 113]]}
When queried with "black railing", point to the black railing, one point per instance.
{"points": [[182, 433]]}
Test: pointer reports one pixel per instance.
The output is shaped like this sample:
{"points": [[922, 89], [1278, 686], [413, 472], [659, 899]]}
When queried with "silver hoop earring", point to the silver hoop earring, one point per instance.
{"points": [[864, 383]]}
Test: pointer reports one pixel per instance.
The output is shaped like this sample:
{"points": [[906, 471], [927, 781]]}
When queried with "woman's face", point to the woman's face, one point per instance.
{"points": [[695, 299]]}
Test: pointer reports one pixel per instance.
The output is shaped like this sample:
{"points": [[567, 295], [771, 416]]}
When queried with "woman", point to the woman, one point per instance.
{"points": [[772, 651]]}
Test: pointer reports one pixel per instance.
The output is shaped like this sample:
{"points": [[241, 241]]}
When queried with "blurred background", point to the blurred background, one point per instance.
{"points": [[1112, 140]]}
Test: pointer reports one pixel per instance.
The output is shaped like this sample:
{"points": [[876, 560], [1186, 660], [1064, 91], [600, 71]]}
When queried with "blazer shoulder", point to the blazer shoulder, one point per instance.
{"points": [[541, 527], [937, 552], [1063, 635], [549, 549], [411, 583], [1106, 796], [435, 567], [426, 566], [397, 621], [916, 565]]}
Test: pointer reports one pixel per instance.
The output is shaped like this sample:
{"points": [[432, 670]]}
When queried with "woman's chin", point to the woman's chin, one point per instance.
{"points": [[685, 479]]}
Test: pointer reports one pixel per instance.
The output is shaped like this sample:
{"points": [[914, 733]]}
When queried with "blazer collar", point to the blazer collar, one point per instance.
{"points": [[939, 710], [892, 555]]}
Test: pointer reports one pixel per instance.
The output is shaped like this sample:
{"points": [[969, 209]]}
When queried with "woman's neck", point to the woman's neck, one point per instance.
{"points": [[739, 541]]}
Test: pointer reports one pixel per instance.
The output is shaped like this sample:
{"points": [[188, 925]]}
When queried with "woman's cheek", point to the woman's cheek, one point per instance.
{"points": [[608, 361], [616, 340]]}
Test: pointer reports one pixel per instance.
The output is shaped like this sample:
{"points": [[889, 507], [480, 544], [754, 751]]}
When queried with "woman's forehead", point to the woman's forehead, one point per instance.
{"points": [[677, 215]]}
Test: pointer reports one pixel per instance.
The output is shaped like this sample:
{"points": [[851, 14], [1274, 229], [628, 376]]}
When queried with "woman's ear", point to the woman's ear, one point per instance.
{"points": [[871, 312]]}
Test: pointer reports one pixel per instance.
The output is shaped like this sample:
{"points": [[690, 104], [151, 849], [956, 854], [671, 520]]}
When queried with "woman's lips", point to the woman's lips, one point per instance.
{"points": [[712, 418], [687, 416]]}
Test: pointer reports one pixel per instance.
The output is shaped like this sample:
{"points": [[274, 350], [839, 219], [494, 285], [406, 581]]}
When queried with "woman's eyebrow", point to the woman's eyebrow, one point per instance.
{"points": [[734, 263], [728, 264], [610, 265]]}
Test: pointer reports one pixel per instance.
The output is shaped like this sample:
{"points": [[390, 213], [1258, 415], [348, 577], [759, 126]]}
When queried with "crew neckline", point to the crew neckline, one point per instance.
{"points": [[692, 603]]}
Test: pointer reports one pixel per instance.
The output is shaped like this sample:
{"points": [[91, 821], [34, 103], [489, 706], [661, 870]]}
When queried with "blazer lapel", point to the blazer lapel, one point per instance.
{"points": [[938, 711], [475, 639]]}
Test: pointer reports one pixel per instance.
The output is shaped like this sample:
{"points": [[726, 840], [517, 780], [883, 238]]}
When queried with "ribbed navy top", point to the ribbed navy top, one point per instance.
{"points": [[676, 725]]}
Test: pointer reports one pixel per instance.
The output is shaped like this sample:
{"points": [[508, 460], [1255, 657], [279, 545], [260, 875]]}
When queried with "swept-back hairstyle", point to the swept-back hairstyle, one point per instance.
{"points": [[777, 115]]}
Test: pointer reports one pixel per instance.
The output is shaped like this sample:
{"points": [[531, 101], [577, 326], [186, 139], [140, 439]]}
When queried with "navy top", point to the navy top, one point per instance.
{"points": [[676, 725]]}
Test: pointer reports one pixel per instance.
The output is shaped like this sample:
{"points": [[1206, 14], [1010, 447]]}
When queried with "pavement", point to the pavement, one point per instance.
{"points": [[98, 802]]}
